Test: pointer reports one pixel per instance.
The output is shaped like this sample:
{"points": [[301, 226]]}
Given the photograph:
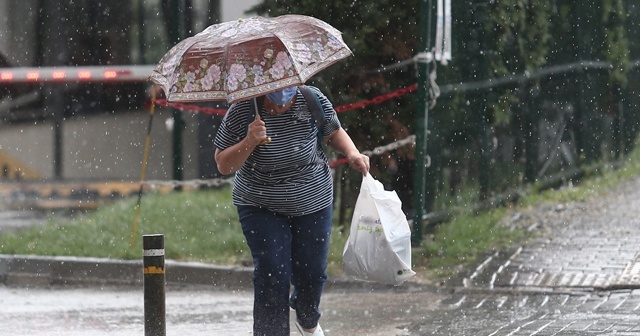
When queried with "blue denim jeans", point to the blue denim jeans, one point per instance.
{"points": [[286, 250]]}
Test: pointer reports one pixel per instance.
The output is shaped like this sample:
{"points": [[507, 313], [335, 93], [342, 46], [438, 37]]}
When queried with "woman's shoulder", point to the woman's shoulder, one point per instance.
{"points": [[315, 89], [237, 110], [240, 106]]}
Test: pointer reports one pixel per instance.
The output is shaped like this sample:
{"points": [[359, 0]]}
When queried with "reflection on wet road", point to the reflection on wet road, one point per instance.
{"points": [[72, 312], [195, 312]]}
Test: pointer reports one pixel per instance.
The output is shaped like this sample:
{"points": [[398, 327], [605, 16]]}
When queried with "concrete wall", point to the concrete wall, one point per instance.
{"points": [[103, 146], [233, 9], [31, 145]]}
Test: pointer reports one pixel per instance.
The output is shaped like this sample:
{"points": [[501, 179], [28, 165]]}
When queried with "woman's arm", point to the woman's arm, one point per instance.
{"points": [[231, 159], [342, 143]]}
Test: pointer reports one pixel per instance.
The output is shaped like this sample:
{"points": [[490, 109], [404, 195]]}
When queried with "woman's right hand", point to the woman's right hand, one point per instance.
{"points": [[230, 159], [257, 132]]}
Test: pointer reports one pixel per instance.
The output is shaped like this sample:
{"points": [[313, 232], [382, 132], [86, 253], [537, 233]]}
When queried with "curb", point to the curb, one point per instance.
{"points": [[51, 271], [43, 271]]}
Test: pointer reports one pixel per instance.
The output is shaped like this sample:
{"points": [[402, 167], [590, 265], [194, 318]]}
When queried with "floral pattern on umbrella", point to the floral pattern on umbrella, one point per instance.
{"points": [[243, 59]]}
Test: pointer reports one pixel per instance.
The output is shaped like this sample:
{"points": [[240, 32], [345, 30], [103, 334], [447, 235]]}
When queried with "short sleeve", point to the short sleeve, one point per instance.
{"points": [[233, 127], [331, 121]]}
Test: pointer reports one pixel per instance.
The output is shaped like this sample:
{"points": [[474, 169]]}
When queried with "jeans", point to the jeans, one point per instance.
{"points": [[286, 250]]}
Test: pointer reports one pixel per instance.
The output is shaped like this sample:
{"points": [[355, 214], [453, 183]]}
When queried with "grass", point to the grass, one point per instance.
{"points": [[198, 226], [465, 237], [202, 226]]}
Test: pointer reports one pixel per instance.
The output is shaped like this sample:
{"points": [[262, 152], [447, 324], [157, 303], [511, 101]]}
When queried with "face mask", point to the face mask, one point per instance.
{"points": [[283, 96]]}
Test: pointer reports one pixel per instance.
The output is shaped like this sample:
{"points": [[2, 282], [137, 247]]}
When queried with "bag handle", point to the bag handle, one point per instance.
{"points": [[371, 183]]}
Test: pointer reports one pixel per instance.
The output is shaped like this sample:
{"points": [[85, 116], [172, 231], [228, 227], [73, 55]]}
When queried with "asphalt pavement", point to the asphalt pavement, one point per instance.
{"points": [[580, 275]]}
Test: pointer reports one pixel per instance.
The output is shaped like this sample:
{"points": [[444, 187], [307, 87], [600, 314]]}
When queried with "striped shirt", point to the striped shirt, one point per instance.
{"points": [[290, 175]]}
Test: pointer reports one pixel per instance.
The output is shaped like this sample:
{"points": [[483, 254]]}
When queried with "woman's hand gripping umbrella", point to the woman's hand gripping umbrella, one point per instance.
{"points": [[257, 132]]}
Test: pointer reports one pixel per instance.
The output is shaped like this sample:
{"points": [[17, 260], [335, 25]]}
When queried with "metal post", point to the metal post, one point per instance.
{"points": [[140, 15], [175, 14], [56, 101], [154, 298], [53, 49], [178, 126], [421, 123], [587, 135]]}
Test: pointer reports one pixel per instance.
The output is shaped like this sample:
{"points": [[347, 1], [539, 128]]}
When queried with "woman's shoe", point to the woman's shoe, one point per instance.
{"points": [[317, 332]]}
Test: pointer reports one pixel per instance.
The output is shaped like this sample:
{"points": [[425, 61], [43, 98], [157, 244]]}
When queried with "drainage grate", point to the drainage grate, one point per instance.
{"points": [[630, 277], [570, 279]]}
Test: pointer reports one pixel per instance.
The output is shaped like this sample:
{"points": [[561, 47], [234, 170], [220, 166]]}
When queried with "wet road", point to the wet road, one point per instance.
{"points": [[541, 314], [71, 312], [195, 312], [118, 312]]}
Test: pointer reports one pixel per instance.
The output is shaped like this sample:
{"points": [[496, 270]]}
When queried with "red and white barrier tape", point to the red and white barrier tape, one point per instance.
{"points": [[342, 108]]}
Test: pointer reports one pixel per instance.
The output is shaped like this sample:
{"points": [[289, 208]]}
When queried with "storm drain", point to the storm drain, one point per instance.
{"points": [[508, 272], [630, 277], [567, 279]]}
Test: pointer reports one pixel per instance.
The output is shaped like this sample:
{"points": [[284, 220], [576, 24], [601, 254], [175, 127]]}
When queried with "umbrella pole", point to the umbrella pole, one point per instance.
{"points": [[145, 157]]}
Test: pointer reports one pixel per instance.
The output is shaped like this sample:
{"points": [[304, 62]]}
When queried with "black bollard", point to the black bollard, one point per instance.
{"points": [[154, 301]]}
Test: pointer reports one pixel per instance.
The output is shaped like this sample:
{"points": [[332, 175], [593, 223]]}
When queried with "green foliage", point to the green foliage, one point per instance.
{"points": [[491, 40], [517, 47], [466, 237], [198, 226], [616, 42]]}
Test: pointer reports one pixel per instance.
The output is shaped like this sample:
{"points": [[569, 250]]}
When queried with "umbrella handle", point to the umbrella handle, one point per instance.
{"points": [[265, 141]]}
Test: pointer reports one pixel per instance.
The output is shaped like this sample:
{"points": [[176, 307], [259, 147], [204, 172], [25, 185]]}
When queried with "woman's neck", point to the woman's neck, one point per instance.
{"points": [[273, 108]]}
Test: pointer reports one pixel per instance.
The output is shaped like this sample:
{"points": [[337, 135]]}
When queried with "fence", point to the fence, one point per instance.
{"points": [[569, 116]]}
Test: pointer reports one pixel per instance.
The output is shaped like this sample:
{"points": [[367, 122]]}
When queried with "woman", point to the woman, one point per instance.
{"points": [[283, 191]]}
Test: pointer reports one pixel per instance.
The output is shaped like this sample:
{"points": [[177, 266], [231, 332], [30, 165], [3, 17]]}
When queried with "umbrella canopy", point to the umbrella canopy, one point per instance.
{"points": [[243, 59]]}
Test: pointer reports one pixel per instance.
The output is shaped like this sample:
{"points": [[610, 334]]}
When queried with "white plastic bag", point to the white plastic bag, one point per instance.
{"points": [[379, 244]]}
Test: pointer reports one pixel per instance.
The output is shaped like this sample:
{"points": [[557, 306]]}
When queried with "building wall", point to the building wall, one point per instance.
{"points": [[103, 146], [4, 24], [30, 145], [18, 31], [234, 9], [97, 146]]}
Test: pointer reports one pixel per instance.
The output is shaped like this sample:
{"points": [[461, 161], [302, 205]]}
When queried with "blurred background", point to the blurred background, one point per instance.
{"points": [[534, 93]]}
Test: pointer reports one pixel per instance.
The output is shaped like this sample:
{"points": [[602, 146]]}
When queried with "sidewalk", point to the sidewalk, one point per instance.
{"points": [[580, 276], [42, 271], [588, 245]]}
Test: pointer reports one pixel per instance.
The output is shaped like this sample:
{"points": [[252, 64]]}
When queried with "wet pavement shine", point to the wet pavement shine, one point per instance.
{"points": [[112, 311], [120, 312], [580, 275]]}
